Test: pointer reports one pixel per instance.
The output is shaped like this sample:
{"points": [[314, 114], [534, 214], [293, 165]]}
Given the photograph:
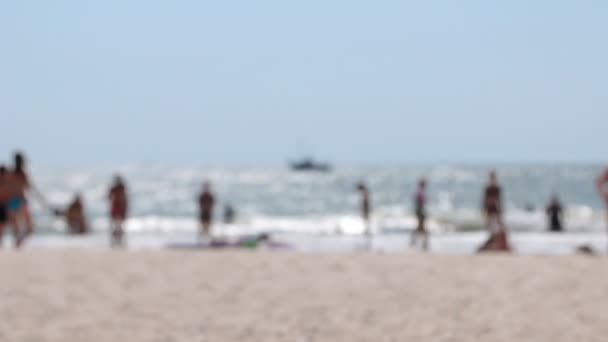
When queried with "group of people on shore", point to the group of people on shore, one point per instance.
{"points": [[491, 206], [16, 186]]}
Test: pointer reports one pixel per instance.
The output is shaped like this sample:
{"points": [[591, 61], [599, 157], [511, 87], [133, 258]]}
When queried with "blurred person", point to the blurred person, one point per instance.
{"points": [[18, 206], [119, 206], [75, 217], [420, 211], [365, 208], [601, 183], [206, 202], [555, 214], [229, 214], [6, 192], [493, 211]]}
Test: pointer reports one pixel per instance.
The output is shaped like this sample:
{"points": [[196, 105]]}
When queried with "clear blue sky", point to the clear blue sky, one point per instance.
{"points": [[262, 81]]}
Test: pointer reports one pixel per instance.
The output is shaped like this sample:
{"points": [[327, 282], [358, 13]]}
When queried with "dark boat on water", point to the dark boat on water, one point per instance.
{"points": [[309, 164]]}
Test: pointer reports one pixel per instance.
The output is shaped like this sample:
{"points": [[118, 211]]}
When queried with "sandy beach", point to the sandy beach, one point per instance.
{"points": [[100, 295]]}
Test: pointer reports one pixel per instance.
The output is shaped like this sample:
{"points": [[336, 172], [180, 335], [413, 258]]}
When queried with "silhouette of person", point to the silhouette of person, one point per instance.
{"points": [[75, 217], [601, 183], [18, 206], [420, 211], [366, 211], [492, 208], [119, 207], [206, 202], [229, 214], [6, 192], [555, 214]]}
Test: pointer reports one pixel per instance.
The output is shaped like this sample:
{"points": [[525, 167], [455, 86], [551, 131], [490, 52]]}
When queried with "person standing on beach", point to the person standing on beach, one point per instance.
{"points": [[17, 205], [206, 202], [420, 206], [492, 208], [555, 214], [119, 206], [366, 211], [601, 183]]}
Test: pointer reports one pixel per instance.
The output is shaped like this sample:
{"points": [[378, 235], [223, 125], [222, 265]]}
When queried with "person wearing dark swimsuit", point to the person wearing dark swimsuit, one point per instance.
{"points": [[365, 212], [119, 205], [555, 214], [206, 202], [492, 208], [420, 211]]}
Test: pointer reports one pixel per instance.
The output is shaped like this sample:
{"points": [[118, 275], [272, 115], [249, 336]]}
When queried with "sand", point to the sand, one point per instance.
{"points": [[100, 295]]}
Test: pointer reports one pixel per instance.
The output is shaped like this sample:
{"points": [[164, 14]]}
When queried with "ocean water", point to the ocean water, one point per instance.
{"points": [[319, 211]]}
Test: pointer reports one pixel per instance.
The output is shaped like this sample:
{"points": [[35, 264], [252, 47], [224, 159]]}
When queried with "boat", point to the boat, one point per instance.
{"points": [[309, 164]]}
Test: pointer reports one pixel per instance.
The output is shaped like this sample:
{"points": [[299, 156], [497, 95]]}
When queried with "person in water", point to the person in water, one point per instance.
{"points": [[229, 214], [365, 211], [17, 205], [420, 211], [206, 202], [119, 206], [601, 183], [555, 214], [493, 210], [75, 218]]}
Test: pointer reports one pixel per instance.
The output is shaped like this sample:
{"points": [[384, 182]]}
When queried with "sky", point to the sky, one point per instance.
{"points": [[269, 80]]}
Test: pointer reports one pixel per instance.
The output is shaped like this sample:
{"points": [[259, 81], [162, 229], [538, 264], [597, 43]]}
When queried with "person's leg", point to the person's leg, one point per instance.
{"points": [[2, 225], [15, 222], [28, 221]]}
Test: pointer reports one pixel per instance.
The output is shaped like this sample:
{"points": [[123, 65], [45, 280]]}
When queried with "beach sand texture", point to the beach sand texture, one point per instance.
{"points": [[101, 295]]}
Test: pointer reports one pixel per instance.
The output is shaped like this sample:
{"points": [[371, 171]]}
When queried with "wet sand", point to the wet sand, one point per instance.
{"points": [[100, 295]]}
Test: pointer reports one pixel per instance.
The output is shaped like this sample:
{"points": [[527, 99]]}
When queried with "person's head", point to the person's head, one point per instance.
{"points": [[118, 179], [3, 171], [361, 187], [19, 160], [422, 183], [77, 198], [206, 186], [493, 177]]}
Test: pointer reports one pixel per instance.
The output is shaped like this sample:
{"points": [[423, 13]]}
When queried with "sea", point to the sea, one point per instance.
{"points": [[319, 211]]}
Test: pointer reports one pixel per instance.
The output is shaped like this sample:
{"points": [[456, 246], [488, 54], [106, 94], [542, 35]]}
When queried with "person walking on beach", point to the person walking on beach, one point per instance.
{"points": [[420, 211], [17, 205], [555, 214], [492, 208], [366, 211], [119, 206], [206, 202]]}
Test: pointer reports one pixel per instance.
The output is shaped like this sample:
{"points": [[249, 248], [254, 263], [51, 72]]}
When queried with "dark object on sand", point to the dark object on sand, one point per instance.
{"points": [[309, 164], [585, 250]]}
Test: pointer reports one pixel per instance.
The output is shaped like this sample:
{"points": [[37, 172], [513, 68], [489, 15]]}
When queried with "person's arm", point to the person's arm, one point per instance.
{"points": [[38, 195]]}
